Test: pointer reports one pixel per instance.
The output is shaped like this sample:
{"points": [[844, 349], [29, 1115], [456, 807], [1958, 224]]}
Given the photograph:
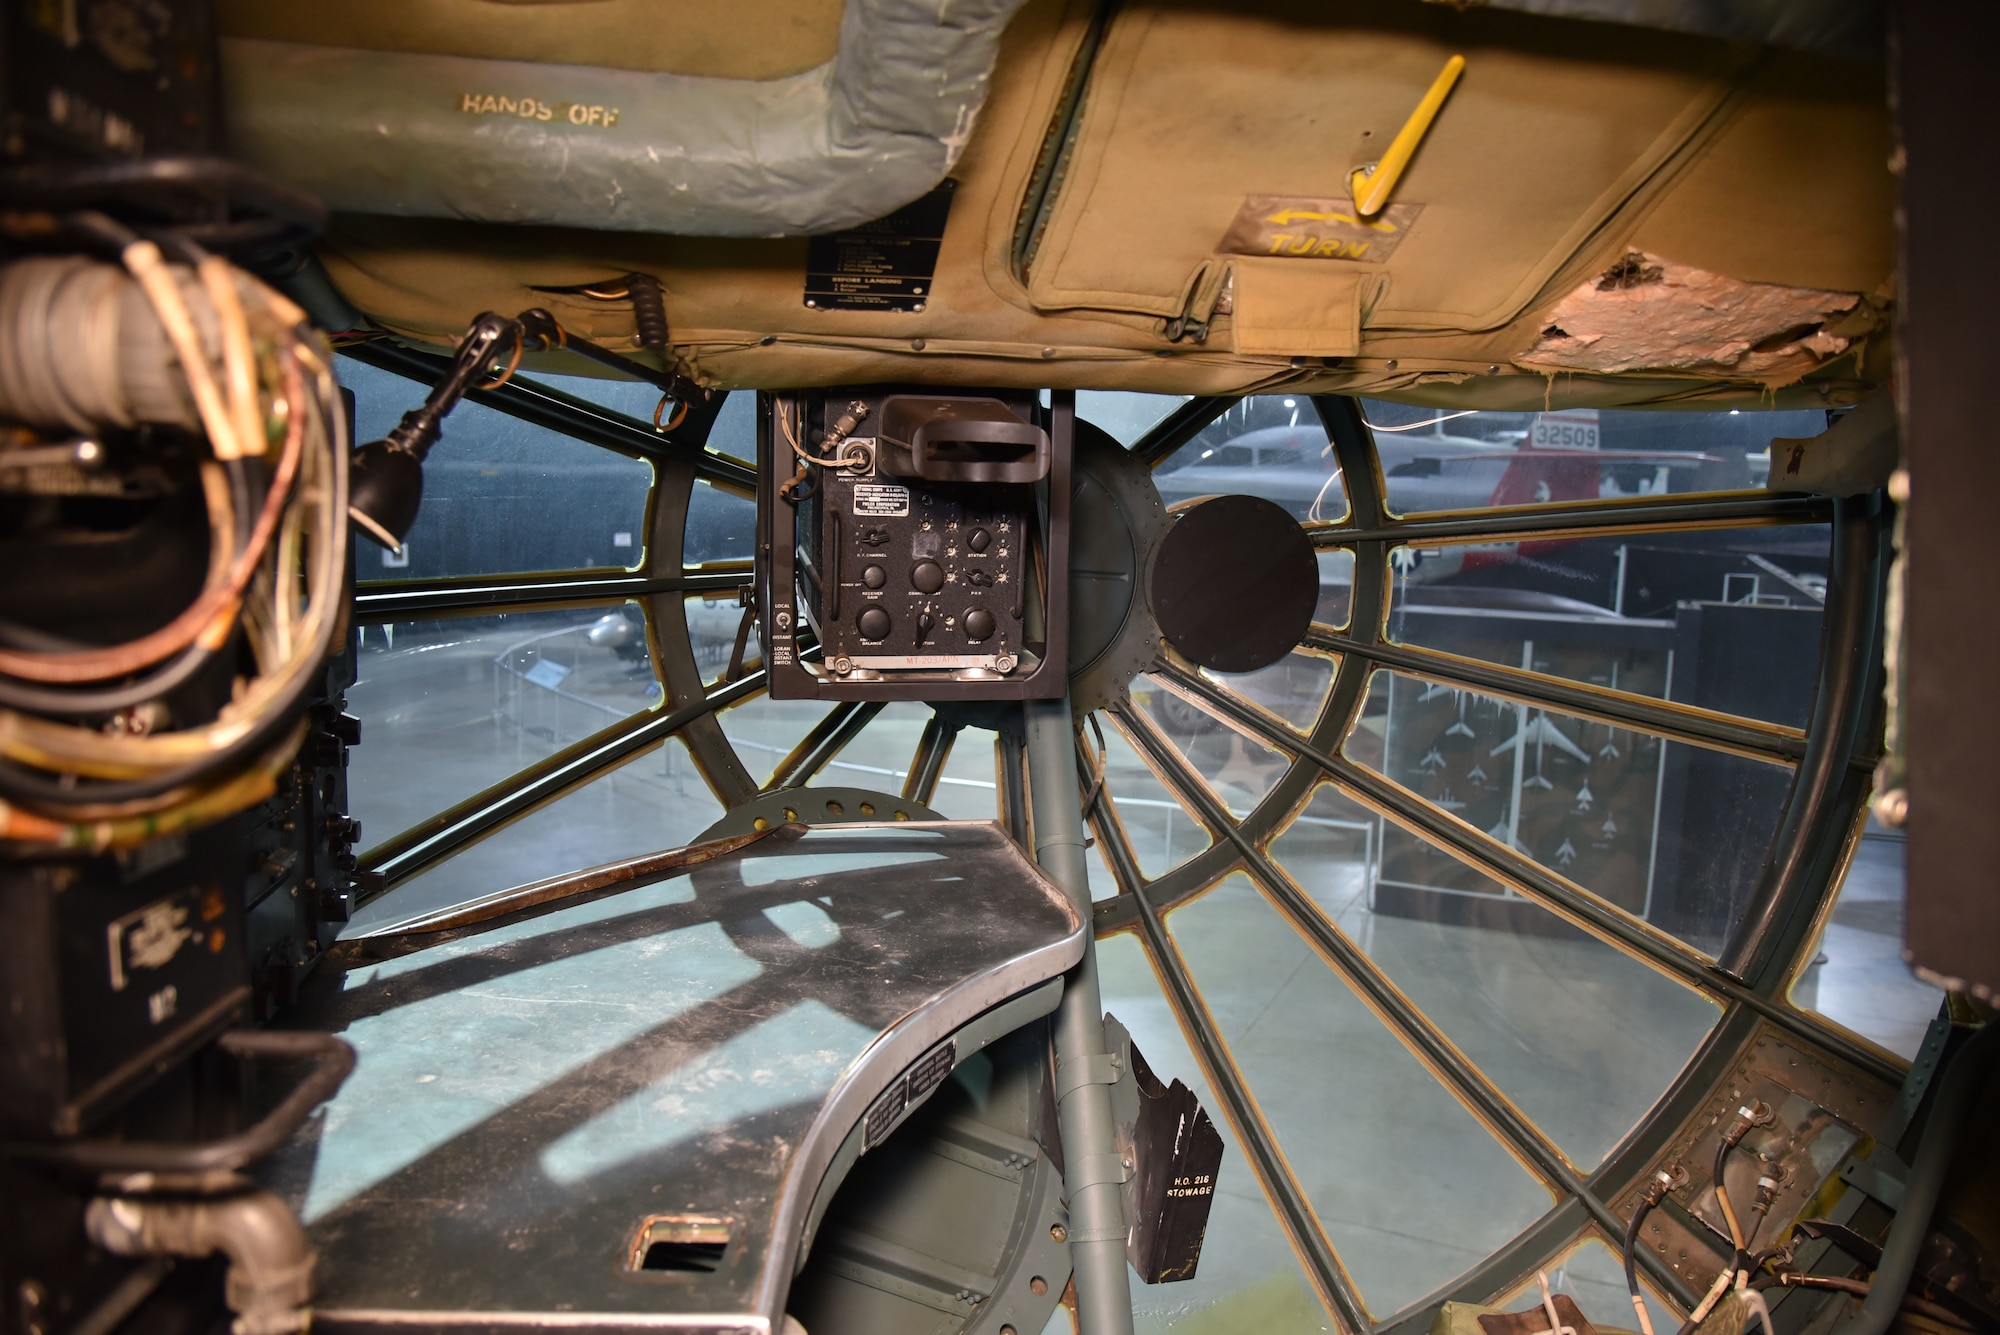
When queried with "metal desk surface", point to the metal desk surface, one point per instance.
{"points": [[528, 1098]]}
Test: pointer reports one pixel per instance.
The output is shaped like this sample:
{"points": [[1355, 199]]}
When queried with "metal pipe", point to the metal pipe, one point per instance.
{"points": [[1944, 1316], [1092, 1169], [333, 1060], [1828, 790], [1011, 760], [1666, 718], [420, 599], [270, 1263], [1578, 519], [590, 422], [1957, 1093], [1179, 427], [823, 743], [404, 855], [1260, 1146], [933, 749]]}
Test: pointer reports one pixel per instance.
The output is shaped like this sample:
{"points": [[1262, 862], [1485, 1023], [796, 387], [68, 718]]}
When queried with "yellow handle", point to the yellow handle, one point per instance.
{"points": [[1371, 185]]}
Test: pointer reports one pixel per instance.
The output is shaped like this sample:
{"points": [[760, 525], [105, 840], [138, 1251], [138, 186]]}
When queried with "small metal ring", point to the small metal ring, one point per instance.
{"points": [[513, 365]]}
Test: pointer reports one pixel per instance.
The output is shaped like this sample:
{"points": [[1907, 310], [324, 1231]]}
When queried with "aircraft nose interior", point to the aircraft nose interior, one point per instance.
{"points": [[1019, 667]]}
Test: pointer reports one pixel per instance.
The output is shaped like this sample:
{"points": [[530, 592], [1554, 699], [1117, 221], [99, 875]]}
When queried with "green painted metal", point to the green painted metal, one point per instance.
{"points": [[1664, 718], [1818, 818], [1335, 1286], [1091, 1166]]}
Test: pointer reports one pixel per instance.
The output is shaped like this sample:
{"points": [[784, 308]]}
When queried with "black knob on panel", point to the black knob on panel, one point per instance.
{"points": [[978, 624], [874, 577], [924, 623], [979, 540], [874, 624], [927, 576]]}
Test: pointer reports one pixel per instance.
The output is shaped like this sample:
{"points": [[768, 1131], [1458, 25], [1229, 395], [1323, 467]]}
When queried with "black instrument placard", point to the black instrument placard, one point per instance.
{"points": [[1177, 1152], [885, 265]]}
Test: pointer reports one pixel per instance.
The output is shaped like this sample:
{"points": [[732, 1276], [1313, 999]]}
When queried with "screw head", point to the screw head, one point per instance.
{"points": [[1057, 1233]]}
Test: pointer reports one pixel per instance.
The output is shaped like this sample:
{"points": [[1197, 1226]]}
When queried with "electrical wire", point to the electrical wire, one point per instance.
{"points": [[1654, 1193], [163, 763], [1740, 1268], [106, 700], [792, 439], [276, 578], [855, 460], [1722, 1149], [1754, 1301], [1922, 1307], [1708, 1302], [208, 618], [1418, 426]]}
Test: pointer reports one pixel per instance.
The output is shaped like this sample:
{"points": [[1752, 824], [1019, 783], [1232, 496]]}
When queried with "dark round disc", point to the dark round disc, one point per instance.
{"points": [[1234, 583]]}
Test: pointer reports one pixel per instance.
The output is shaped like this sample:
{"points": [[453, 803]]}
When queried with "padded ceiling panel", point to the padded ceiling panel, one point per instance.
{"points": [[1192, 110], [423, 134], [655, 36], [1786, 183], [1795, 189]]}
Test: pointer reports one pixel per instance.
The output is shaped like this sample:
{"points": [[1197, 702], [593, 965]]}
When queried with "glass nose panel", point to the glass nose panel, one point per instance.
{"points": [[1410, 1189], [1581, 1037]]}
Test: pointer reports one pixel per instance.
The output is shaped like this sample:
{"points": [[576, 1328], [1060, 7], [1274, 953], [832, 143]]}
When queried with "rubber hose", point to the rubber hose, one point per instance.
{"points": [[1639, 1213], [1632, 1245], [104, 700]]}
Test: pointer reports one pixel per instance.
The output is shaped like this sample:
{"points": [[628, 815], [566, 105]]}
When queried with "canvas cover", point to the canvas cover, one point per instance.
{"points": [[1108, 208]]}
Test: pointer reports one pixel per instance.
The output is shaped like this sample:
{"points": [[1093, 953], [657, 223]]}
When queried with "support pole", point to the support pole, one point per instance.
{"points": [[1093, 1171]]}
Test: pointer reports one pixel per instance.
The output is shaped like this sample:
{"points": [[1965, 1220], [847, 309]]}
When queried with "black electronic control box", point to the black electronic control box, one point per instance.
{"points": [[907, 540], [107, 80], [114, 969]]}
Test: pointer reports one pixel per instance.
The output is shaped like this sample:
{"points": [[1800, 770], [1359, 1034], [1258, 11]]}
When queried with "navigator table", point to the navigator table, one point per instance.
{"points": [[626, 1114]]}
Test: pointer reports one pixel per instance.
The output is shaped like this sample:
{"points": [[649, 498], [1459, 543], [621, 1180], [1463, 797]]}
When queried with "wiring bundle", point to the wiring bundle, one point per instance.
{"points": [[94, 752]]}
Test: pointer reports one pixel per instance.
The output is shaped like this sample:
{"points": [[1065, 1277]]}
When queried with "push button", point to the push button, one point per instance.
{"points": [[874, 577], [979, 540], [978, 624], [874, 624], [927, 576]]}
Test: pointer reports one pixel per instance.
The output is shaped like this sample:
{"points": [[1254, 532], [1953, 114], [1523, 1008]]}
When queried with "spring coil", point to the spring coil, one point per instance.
{"points": [[649, 310]]}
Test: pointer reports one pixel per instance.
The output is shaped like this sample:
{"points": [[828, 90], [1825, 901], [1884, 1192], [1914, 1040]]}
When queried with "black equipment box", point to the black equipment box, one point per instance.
{"points": [[108, 80], [112, 969], [922, 552]]}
